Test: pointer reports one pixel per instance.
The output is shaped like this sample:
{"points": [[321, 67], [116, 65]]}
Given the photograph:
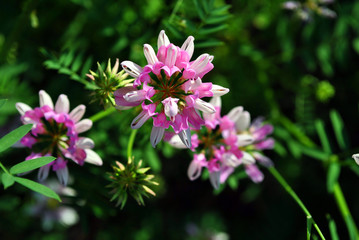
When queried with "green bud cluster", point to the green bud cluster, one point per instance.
{"points": [[130, 179], [107, 82]]}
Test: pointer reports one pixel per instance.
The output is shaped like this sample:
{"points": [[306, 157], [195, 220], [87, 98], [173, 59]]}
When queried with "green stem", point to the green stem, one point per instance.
{"points": [[3, 168], [290, 191], [102, 114], [344, 209], [175, 9], [130, 143]]}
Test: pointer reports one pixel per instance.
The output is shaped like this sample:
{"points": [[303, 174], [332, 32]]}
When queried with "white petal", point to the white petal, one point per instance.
{"points": [[162, 39], [185, 136], [356, 158], [247, 158], [200, 63], [135, 96], [43, 173], [244, 140], [150, 54], [22, 108], [194, 170], [243, 122], [131, 68], [177, 142], [62, 104], [214, 179], [216, 102], [188, 46], [63, 175], [156, 135], [138, 121], [230, 160], [83, 125], [219, 90], [171, 56], [77, 113], [45, 99], [204, 106], [235, 113], [93, 158], [85, 143]]}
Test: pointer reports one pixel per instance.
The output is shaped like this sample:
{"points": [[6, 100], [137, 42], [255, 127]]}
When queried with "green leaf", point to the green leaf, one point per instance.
{"points": [[309, 226], [319, 126], [338, 127], [212, 29], [7, 180], [37, 187], [14, 136], [2, 102], [333, 229], [315, 153], [332, 176], [199, 9], [31, 164], [152, 159]]}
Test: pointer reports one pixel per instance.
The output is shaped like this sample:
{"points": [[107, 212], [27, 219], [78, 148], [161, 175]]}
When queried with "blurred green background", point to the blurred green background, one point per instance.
{"points": [[292, 72]]}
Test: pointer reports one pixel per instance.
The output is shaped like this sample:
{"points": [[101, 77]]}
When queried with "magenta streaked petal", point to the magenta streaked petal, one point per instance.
{"points": [[119, 97], [254, 173]]}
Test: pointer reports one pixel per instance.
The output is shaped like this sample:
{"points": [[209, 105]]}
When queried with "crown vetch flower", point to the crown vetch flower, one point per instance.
{"points": [[169, 89], [229, 142], [56, 132]]}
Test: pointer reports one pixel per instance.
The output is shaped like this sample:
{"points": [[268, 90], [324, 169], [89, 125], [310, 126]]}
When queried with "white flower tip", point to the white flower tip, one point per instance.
{"points": [[83, 125], [248, 159], [185, 136], [62, 104], [150, 54], [162, 39], [45, 99], [219, 91], [131, 68], [22, 108], [356, 158], [77, 113], [194, 171], [204, 106], [93, 158], [214, 178], [156, 135]]}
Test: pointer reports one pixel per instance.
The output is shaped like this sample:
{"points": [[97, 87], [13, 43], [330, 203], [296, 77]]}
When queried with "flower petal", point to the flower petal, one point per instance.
{"points": [[162, 39], [85, 143], [132, 68], [188, 46], [235, 113], [22, 108], [244, 140], [43, 172], [243, 122], [356, 158], [92, 157], [45, 99], [150, 54], [77, 113], [156, 135], [214, 178], [62, 104], [63, 175], [247, 158], [219, 90], [185, 136], [204, 106], [83, 125]]}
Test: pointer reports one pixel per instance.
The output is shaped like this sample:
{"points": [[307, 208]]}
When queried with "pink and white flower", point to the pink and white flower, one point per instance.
{"points": [[169, 89], [228, 143], [56, 132]]}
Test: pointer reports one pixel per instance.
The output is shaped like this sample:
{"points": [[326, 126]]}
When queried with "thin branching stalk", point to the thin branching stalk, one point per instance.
{"points": [[102, 114], [130, 143], [291, 192]]}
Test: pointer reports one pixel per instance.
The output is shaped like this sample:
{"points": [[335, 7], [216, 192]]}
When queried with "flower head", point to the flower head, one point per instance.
{"points": [[56, 132], [169, 89], [229, 142]]}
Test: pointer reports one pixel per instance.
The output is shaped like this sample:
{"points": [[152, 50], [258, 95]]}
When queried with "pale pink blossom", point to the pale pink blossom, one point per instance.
{"points": [[56, 132]]}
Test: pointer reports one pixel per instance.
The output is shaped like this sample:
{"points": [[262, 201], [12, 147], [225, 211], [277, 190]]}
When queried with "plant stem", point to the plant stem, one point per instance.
{"points": [[3, 168], [130, 143], [344, 209], [290, 191], [102, 114]]}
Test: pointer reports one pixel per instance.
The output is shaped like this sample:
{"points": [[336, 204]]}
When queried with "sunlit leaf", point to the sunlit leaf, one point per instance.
{"points": [[37, 187], [319, 126], [333, 229], [14, 136], [7, 180], [309, 226], [31, 164], [332, 176]]}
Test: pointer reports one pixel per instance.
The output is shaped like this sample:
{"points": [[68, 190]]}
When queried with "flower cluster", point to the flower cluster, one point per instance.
{"points": [[56, 132], [228, 142], [169, 89]]}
